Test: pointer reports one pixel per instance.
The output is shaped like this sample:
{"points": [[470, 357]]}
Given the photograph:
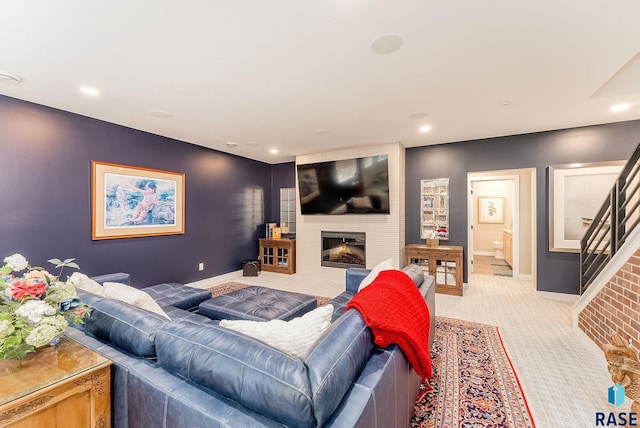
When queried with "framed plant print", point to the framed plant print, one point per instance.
{"points": [[132, 202], [576, 193], [490, 209]]}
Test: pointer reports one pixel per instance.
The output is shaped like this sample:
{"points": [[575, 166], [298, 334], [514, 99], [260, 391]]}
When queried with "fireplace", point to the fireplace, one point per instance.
{"points": [[343, 249]]}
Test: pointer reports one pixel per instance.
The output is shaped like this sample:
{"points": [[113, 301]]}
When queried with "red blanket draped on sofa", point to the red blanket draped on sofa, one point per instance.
{"points": [[394, 309]]}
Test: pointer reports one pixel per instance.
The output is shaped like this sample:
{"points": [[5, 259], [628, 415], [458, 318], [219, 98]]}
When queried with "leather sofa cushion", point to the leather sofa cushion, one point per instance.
{"points": [[257, 303], [246, 370], [87, 297], [335, 359], [354, 277], [126, 327], [121, 277], [178, 295], [339, 303]]}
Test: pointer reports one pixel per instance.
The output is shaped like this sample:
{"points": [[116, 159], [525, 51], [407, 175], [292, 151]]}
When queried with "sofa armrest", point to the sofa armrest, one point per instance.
{"points": [[428, 290], [125, 326], [354, 277], [121, 277]]}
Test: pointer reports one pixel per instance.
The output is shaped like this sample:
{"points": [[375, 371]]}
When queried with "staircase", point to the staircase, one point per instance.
{"points": [[610, 244]]}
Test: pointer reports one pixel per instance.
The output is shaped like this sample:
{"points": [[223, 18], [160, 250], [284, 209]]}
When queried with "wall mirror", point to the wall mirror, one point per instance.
{"points": [[434, 208]]}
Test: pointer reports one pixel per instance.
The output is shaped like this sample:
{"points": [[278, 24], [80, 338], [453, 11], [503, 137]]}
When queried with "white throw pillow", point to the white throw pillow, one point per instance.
{"points": [[384, 265], [83, 282], [294, 337], [132, 296]]}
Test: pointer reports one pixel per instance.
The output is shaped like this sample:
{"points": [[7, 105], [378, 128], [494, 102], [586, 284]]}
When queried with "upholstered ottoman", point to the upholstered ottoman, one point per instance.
{"points": [[178, 295], [257, 304]]}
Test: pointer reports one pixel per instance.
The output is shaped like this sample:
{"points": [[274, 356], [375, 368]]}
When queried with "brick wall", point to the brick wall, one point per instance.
{"points": [[616, 309]]}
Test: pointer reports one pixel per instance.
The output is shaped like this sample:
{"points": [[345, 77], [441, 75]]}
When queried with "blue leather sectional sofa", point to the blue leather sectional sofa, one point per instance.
{"points": [[189, 372]]}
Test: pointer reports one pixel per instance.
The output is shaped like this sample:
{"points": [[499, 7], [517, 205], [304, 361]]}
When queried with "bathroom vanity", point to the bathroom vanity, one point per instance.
{"points": [[507, 242]]}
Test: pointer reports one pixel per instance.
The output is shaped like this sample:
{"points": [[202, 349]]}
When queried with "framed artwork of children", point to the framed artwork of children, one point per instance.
{"points": [[131, 202]]}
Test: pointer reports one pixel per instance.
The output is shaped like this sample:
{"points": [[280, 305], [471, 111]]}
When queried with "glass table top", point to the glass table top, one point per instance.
{"points": [[46, 367]]}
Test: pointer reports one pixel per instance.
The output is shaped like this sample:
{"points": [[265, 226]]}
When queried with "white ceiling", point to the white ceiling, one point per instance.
{"points": [[300, 75]]}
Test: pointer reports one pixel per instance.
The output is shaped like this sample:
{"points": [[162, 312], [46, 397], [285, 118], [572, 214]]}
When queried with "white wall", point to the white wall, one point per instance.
{"points": [[384, 232], [486, 233]]}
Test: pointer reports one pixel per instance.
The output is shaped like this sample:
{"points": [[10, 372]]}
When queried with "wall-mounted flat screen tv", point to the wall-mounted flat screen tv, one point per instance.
{"points": [[350, 186]]}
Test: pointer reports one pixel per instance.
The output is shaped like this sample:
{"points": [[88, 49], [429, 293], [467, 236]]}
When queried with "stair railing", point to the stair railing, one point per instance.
{"points": [[616, 219]]}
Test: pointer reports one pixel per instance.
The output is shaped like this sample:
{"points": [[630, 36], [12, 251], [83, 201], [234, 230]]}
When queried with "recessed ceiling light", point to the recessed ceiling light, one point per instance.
{"points": [[418, 115], [231, 144], [90, 91], [273, 151], [386, 44], [505, 103], [253, 143], [425, 128], [10, 77], [161, 114], [619, 107]]}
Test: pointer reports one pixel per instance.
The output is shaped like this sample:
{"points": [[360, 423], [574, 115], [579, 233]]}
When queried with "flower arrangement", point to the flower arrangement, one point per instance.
{"points": [[35, 308]]}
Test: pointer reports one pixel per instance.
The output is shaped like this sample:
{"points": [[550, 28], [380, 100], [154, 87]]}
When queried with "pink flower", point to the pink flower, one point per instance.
{"points": [[19, 289]]}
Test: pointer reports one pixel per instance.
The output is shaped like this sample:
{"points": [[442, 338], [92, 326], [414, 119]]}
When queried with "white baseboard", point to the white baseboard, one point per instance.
{"points": [[484, 253], [209, 282], [563, 297], [527, 277]]}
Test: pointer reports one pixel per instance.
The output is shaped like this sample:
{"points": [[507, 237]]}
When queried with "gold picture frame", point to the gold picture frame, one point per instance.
{"points": [[132, 201]]}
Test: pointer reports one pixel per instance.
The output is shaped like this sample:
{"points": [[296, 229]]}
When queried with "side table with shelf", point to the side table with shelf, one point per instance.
{"points": [[278, 255], [444, 263], [66, 385]]}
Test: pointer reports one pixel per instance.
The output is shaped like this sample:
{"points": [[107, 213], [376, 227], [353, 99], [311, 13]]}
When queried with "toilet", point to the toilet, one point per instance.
{"points": [[498, 246]]}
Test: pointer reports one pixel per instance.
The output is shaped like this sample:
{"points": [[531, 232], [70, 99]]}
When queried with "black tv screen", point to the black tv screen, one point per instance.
{"points": [[350, 186]]}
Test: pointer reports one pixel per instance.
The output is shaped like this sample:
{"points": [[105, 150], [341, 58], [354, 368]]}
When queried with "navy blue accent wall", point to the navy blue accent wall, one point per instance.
{"points": [[45, 211], [282, 176], [556, 272]]}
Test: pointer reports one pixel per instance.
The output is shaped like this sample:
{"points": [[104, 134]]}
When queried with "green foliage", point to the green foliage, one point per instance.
{"points": [[66, 263], [28, 298], [16, 352]]}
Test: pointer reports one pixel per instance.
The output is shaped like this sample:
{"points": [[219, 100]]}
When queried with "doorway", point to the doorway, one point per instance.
{"points": [[501, 221]]}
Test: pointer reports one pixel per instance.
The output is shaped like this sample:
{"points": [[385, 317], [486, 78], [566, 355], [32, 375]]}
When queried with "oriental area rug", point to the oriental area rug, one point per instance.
{"points": [[473, 383]]}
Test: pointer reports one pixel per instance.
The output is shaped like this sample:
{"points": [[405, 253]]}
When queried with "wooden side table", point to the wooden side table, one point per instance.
{"points": [[444, 263], [67, 385], [278, 255]]}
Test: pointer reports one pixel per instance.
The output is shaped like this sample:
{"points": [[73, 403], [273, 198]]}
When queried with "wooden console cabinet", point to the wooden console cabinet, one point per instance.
{"points": [[444, 263], [67, 385], [278, 255]]}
